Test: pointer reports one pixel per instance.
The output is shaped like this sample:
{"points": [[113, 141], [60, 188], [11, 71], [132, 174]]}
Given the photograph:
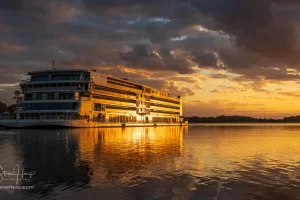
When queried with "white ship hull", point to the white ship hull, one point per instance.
{"points": [[77, 124]]}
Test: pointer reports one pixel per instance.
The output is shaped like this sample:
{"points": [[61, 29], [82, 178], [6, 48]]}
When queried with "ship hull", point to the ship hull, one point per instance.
{"points": [[77, 124]]}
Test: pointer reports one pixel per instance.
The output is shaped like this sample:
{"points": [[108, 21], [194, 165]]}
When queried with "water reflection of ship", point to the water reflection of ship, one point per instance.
{"points": [[53, 155], [116, 152], [78, 157]]}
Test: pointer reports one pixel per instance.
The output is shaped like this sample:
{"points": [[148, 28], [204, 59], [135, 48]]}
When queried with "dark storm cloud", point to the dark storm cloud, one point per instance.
{"points": [[12, 5], [143, 56], [206, 59], [34, 13], [259, 27], [255, 26]]}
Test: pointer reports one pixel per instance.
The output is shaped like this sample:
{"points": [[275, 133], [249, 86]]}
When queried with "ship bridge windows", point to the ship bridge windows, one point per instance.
{"points": [[40, 78], [65, 77]]}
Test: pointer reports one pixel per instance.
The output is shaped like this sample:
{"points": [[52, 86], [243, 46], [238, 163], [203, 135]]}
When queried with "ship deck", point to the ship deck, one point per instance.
{"points": [[79, 124]]}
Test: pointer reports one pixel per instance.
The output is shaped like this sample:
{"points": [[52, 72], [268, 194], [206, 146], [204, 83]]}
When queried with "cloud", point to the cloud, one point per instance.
{"points": [[6, 49], [218, 76], [169, 86], [290, 94], [142, 56]]}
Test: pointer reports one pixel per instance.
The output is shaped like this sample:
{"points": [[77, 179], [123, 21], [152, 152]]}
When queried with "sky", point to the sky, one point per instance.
{"points": [[228, 57]]}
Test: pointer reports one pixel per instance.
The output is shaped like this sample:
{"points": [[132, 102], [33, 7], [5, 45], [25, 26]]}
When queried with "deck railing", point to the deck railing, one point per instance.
{"points": [[82, 118]]}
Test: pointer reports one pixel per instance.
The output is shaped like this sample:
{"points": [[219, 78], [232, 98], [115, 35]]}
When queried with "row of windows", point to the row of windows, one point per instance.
{"points": [[49, 106], [166, 112], [165, 100], [124, 83], [77, 85], [48, 96], [114, 98], [98, 87], [57, 77], [120, 107], [164, 106]]}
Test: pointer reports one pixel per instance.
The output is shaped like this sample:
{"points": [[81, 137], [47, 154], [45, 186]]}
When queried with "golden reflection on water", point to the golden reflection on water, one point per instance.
{"points": [[119, 152], [229, 150]]}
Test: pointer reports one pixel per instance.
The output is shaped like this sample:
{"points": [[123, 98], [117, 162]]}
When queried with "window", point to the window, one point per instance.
{"points": [[98, 107], [40, 78], [65, 77], [28, 97], [50, 96], [65, 96], [38, 96]]}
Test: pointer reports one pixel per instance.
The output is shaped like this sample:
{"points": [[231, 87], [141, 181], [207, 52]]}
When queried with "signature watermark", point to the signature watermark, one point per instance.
{"points": [[16, 175], [16, 187]]}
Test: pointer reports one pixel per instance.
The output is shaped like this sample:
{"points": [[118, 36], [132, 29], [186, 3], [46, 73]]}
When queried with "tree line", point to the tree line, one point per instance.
{"points": [[11, 108], [240, 119]]}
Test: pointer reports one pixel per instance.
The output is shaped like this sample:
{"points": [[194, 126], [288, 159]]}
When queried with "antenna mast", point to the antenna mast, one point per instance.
{"points": [[53, 65]]}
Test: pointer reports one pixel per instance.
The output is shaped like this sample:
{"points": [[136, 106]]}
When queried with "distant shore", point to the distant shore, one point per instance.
{"points": [[241, 119]]}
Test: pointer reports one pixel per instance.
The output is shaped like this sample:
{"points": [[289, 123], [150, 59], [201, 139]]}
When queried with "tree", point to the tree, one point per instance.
{"points": [[17, 95], [11, 108], [3, 107]]}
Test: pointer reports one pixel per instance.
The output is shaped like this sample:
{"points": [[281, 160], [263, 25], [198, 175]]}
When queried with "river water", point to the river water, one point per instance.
{"points": [[195, 162]]}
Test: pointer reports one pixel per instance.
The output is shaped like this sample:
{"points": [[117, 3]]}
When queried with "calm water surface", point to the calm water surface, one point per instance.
{"points": [[195, 162]]}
